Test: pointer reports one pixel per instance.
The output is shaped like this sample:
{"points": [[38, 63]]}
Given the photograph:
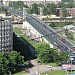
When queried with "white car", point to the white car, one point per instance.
{"points": [[49, 66]]}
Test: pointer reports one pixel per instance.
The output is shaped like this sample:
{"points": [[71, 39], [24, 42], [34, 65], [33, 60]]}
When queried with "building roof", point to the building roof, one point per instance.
{"points": [[68, 26]]}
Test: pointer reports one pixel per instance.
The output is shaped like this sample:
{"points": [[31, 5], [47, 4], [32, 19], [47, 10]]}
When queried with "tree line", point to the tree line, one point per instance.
{"points": [[46, 54], [10, 62], [49, 8]]}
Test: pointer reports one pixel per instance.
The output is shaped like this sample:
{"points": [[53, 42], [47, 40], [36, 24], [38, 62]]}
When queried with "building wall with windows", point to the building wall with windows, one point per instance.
{"points": [[6, 35], [70, 12], [1, 2]]}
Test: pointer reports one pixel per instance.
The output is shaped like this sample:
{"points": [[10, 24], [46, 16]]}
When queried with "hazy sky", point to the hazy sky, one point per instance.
{"points": [[31, 0]]}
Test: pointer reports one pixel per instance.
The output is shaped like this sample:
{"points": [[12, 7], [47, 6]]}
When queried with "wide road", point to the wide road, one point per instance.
{"points": [[47, 32], [51, 35], [41, 68]]}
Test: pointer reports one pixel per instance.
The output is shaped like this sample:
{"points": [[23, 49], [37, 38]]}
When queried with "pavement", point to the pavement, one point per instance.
{"points": [[40, 68]]}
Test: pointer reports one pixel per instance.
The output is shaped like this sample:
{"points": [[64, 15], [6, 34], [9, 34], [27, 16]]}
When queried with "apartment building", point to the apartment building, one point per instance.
{"points": [[6, 35]]}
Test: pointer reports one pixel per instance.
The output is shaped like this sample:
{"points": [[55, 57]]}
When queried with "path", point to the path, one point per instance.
{"points": [[40, 68]]}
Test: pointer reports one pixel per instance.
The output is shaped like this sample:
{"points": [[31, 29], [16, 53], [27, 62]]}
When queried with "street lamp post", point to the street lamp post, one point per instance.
{"points": [[71, 66], [71, 63], [38, 68]]}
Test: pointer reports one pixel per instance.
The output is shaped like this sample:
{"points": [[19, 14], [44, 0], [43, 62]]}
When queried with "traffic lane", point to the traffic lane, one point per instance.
{"points": [[57, 35], [37, 27], [40, 28], [64, 40], [39, 24], [42, 24]]}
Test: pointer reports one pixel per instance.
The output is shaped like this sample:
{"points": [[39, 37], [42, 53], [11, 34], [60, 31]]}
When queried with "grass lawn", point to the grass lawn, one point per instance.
{"points": [[20, 73], [16, 30], [53, 64], [40, 43], [61, 72]]}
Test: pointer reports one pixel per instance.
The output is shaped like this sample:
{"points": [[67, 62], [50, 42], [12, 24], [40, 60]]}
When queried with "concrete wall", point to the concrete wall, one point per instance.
{"points": [[33, 33]]}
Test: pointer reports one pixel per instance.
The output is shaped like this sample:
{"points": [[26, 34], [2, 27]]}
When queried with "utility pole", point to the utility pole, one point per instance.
{"points": [[45, 2], [24, 13]]}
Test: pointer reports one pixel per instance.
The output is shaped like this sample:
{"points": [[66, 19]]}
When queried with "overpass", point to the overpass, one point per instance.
{"points": [[46, 32], [59, 20]]}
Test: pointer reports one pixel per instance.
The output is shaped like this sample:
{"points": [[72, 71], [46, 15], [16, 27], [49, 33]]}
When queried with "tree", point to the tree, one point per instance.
{"points": [[64, 12], [45, 53], [35, 8], [4, 68], [17, 4], [52, 25], [15, 60], [45, 10], [52, 8], [10, 62], [66, 31], [29, 10], [62, 57], [49, 9], [60, 5], [48, 55]]}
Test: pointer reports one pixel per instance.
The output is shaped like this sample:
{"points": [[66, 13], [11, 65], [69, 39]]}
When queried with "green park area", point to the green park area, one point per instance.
{"points": [[61, 72], [20, 73]]}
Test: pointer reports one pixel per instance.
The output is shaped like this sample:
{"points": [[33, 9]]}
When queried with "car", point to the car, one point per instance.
{"points": [[44, 26], [39, 63], [49, 66], [73, 48]]}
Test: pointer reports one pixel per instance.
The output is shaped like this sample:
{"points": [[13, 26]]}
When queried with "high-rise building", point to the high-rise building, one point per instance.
{"points": [[1, 2], [6, 35]]}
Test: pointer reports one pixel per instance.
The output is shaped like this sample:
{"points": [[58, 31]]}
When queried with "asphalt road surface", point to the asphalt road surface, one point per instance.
{"points": [[40, 68], [46, 31], [51, 35]]}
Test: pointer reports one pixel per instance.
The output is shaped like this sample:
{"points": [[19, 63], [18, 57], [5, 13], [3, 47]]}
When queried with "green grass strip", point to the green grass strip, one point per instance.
{"points": [[20, 73], [16, 30], [61, 72]]}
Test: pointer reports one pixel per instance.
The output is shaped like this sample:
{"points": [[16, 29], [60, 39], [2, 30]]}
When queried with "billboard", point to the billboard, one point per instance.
{"points": [[66, 66]]}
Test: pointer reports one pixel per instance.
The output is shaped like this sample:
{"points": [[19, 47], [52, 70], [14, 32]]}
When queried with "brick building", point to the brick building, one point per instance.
{"points": [[70, 12]]}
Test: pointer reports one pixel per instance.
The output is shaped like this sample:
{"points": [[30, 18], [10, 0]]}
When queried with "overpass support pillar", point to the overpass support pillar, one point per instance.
{"points": [[24, 13]]}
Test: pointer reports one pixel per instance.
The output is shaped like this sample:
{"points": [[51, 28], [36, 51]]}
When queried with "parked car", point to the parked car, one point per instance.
{"points": [[49, 66]]}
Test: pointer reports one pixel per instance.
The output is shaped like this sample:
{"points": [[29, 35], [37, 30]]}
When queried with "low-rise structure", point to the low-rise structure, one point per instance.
{"points": [[70, 12]]}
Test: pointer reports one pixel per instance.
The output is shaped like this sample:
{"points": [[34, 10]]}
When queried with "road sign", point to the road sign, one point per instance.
{"points": [[66, 66], [71, 58]]}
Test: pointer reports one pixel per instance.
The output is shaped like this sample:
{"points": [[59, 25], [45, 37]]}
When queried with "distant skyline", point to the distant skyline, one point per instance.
{"points": [[31, 0]]}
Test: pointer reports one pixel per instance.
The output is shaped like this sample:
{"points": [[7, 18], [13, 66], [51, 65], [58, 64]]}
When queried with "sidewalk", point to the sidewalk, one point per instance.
{"points": [[41, 68]]}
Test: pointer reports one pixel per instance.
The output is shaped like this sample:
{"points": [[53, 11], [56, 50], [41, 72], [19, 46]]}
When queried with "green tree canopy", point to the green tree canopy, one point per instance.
{"points": [[4, 68], [64, 12], [49, 9], [35, 8], [15, 60], [52, 8], [10, 62], [48, 55], [45, 53], [17, 4]]}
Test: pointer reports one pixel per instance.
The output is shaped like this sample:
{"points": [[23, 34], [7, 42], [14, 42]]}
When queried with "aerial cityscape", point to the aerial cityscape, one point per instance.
{"points": [[37, 37]]}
